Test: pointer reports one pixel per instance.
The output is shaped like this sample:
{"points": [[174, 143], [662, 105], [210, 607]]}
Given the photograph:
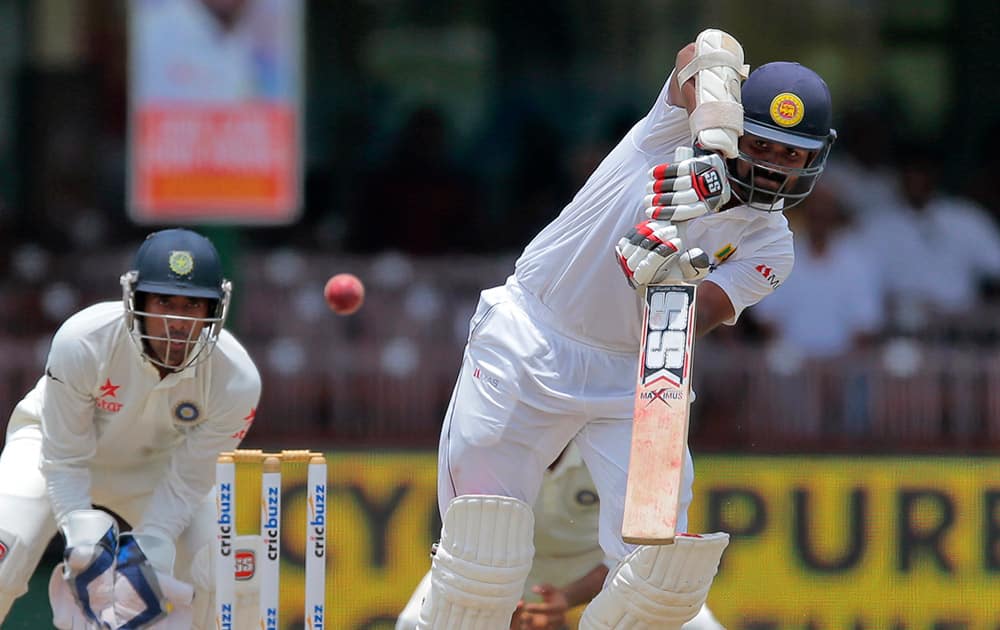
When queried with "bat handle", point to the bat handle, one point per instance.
{"points": [[675, 275], [681, 153]]}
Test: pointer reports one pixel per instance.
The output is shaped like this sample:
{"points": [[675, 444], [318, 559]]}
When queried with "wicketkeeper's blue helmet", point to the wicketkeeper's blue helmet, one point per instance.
{"points": [[177, 262], [788, 103]]}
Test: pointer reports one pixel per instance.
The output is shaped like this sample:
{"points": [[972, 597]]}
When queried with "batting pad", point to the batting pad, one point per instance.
{"points": [[481, 563], [657, 586], [718, 71]]}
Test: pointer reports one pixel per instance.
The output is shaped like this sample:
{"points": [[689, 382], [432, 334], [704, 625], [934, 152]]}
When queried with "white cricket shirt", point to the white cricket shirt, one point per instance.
{"points": [[570, 266], [184, 54], [108, 419]]}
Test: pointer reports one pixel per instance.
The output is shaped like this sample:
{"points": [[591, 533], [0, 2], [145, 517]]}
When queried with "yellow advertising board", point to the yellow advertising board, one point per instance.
{"points": [[382, 518], [824, 543], [864, 542]]}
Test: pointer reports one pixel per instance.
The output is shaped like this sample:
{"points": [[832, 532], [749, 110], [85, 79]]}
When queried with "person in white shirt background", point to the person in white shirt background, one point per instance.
{"points": [[832, 304], [551, 355], [213, 51], [964, 237], [115, 447], [832, 307]]}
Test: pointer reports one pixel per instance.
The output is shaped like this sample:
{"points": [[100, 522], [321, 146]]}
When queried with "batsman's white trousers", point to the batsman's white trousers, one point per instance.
{"points": [[524, 391]]}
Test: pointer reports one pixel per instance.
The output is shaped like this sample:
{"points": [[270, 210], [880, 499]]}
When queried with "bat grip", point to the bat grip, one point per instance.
{"points": [[675, 274]]}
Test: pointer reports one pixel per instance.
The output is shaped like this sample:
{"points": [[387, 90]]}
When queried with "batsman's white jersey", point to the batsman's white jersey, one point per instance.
{"points": [[569, 268], [101, 427], [552, 354]]}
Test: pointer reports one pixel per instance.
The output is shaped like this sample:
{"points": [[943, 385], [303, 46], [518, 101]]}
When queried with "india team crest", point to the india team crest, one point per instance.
{"points": [[787, 109], [181, 262], [187, 412]]}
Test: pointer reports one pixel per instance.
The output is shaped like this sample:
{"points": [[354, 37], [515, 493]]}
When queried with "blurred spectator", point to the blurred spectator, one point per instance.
{"points": [[833, 301], [981, 186], [210, 51], [418, 201], [831, 306], [540, 182], [935, 250], [862, 168]]}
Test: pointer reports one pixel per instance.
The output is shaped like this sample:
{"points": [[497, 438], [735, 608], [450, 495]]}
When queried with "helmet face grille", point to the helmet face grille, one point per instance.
{"points": [[794, 184], [181, 350]]}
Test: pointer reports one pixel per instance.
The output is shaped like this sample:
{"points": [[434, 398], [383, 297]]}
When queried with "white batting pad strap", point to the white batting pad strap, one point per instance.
{"points": [[661, 586], [718, 70], [481, 563]]}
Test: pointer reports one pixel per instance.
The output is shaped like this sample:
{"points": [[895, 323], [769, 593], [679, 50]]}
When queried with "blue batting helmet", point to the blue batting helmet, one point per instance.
{"points": [[787, 103], [177, 262]]}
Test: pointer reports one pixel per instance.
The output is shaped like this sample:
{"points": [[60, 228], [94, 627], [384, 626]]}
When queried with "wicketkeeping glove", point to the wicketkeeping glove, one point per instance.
{"points": [[144, 596], [653, 249], [688, 187], [89, 561]]}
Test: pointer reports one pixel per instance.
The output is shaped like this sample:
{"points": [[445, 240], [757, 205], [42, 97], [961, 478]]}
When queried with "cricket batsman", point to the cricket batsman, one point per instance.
{"points": [[115, 447], [552, 355]]}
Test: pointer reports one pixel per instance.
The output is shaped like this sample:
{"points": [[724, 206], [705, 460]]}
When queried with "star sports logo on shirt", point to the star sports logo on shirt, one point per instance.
{"points": [[104, 401]]}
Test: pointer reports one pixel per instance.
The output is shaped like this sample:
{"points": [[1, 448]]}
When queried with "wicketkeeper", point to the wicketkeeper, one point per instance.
{"points": [[115, 447]]}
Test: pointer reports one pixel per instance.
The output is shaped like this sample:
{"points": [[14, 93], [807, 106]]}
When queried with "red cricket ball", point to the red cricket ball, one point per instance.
{"points": [[344, 293]]}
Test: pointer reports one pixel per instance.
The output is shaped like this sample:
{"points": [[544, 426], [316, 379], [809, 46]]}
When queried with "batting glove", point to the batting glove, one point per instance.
{"points": [[88, 566], [688, 187], [652, 252]]}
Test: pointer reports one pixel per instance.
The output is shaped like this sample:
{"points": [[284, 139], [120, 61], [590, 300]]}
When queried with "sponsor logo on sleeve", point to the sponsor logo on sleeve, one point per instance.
{"points": [[247, 423], [768, 274]]}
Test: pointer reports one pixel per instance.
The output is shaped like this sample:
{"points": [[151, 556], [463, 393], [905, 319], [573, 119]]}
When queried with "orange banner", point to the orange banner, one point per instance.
{"points": [[235, 161]]}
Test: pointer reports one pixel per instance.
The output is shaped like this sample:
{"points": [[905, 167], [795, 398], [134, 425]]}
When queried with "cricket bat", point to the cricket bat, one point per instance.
{"points": [[660, 424]]}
